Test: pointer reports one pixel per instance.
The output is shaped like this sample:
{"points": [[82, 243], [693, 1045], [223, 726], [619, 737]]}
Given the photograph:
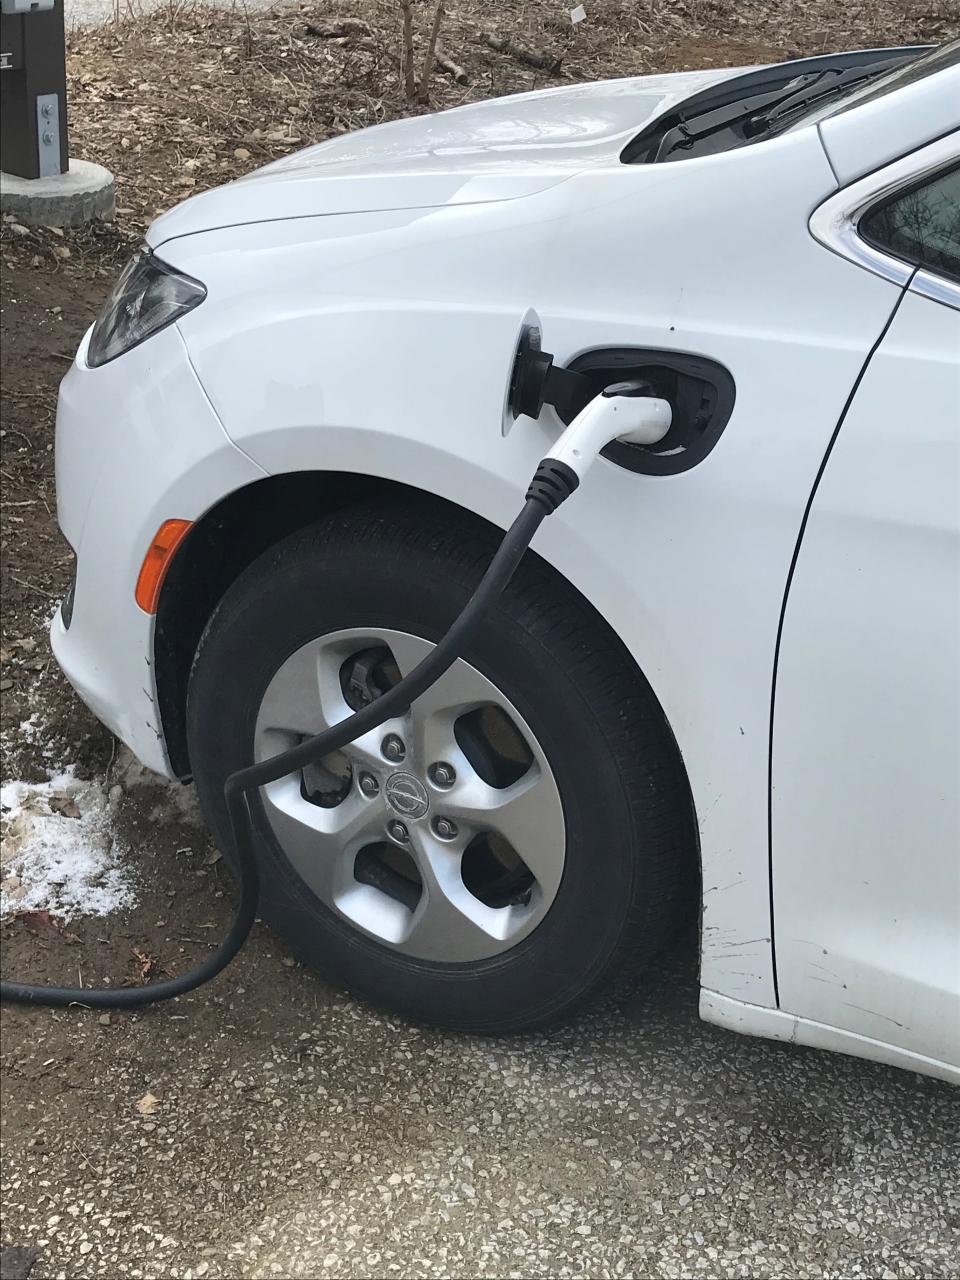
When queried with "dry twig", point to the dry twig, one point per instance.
{"points": [[424, 87]]}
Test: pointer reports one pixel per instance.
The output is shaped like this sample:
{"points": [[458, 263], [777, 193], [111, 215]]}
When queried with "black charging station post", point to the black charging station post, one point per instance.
{"points": [[39, 183], [33, 89]]}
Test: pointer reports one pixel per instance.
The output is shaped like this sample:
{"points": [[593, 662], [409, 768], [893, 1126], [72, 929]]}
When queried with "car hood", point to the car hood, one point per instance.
{"points": [[501, 149]]}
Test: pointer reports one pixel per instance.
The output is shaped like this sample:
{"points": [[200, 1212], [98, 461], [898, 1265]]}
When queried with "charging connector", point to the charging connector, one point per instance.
{"points": [[625, 411]]}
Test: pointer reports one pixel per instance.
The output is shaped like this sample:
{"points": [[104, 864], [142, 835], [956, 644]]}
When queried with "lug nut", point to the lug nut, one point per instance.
{"points": [[396, 830], [369, 785], [393, 748], [442, 774], [444, 828]]}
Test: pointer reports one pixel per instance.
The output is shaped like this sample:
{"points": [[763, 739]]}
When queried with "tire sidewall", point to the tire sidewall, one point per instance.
{"points": [[321, 584]]}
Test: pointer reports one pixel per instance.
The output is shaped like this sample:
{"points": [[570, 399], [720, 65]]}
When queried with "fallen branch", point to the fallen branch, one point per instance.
{"points": [[334, 30], [543, 61], [424, 87], [449, 66]]}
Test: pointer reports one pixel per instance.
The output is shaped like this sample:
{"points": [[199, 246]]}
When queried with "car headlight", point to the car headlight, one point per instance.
{"points": [[148, 296]]}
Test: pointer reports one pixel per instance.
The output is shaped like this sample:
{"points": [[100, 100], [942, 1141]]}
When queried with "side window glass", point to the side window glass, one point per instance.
{"points": [[921, 226]]}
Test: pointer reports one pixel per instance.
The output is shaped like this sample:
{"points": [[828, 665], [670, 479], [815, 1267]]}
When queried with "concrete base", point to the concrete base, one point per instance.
{"points": [[69, 199]]}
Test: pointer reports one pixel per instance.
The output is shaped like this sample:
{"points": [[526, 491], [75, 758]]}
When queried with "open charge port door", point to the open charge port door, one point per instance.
{"points": [[700, 392]]}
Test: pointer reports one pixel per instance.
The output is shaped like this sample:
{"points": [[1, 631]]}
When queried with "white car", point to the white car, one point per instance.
{"points": [[729, 669]]}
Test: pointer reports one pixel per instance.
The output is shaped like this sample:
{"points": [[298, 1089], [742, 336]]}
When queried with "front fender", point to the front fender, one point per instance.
{"points": [[382, 345]]}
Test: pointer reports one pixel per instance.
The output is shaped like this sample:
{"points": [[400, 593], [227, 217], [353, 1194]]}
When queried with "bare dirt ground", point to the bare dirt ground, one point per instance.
{"points": [[294, 1132]]}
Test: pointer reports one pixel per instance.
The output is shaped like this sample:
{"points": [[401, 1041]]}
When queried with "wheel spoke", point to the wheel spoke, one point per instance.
{"points": [[434, 713], [336, 709], [526, 814], [449, 923], [321, 843], [292, 702]]}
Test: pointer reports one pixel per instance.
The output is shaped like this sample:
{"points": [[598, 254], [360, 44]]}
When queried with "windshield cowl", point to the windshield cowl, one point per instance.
{"points": [[760, 104]]}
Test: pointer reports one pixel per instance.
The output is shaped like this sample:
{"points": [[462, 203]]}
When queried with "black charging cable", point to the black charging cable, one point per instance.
{"points": [[554, 481]]}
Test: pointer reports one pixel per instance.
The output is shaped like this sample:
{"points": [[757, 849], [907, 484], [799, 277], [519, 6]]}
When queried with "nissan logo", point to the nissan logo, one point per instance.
{"points": [[407, 795]]}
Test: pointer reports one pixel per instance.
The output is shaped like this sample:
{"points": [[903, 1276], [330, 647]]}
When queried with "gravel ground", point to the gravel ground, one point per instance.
{"points": [[297, 1134]]}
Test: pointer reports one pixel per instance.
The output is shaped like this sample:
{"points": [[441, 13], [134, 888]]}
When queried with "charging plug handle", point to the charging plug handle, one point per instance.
{"points": [[623, 411]]}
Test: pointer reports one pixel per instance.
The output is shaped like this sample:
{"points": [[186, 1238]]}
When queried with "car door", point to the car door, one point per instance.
{"points": [[865, 816]]}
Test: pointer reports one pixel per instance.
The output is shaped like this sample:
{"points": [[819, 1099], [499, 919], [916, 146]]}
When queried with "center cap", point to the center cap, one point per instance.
{"points": [[407, 795]]}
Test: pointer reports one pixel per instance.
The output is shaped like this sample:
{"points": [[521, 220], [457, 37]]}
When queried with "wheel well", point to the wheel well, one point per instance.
{"points": [[217, 549], [231, 536]]}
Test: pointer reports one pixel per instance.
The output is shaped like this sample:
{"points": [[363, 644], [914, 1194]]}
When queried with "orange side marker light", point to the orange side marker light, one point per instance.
{"points": [[157, 561]]}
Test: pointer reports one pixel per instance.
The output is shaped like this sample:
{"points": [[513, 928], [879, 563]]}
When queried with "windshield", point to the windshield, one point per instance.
{"points": [[927, 64]]}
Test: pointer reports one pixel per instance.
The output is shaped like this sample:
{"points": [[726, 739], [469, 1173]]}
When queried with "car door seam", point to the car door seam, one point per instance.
{"points": [[783, 611], [836, 176]]}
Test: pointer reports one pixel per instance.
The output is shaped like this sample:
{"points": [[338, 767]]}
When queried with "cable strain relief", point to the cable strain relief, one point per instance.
{"points": [[552, 484]]}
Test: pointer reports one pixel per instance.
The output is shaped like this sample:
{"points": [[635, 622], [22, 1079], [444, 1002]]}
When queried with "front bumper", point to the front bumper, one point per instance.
{"points": [[137, 443]]}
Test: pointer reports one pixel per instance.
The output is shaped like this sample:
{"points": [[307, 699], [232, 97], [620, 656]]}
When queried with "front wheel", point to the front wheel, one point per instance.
{"points": [[510, 846]]}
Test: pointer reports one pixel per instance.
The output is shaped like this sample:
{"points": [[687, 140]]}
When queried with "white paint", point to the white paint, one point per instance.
{"points": [[881, 129], [501, 149], [144, 446], [866, 751], [773, 1024], [390, 337], [379, 339]]}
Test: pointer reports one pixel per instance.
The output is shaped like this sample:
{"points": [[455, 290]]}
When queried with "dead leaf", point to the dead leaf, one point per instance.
{"points": [[42, 923], [212, 858], [148, 1104], [146, 963], [66, 806]]}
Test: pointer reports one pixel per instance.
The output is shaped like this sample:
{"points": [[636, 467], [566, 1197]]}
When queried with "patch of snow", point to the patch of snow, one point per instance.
{"points": [[177, 801], [31, 728], [34, 732], [59, 850]]}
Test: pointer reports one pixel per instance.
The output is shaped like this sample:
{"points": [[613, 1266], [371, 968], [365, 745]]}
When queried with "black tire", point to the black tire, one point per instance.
{"points": [[631, 845]]}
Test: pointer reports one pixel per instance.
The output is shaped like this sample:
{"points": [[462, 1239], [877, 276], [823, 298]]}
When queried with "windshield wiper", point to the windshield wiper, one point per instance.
{"points": [[762, 114], [833, 84], [683, 136]]}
